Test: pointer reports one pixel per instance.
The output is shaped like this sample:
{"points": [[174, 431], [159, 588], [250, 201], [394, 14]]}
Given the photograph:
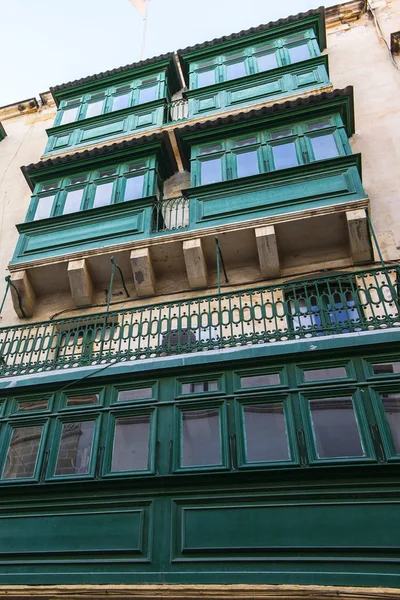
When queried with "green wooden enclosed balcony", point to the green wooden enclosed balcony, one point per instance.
{"points": [[330, 305]]}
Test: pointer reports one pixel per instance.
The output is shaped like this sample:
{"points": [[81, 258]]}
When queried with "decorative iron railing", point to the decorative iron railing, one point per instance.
{"points": [[333, 304], [178, 110], [170, 214]]}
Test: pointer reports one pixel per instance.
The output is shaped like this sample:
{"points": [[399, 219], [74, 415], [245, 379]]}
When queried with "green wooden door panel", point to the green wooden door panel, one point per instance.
{"points": [[257, 91]]}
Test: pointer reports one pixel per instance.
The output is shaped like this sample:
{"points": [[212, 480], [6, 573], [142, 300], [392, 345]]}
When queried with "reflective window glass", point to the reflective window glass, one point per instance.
{"points": [[43, 207], [82, 400], [73, 201], [386, 368], [138, 394], [34, 405], [285, 156], [299, 52], [201, 444], [205, 78], [69, 115], [259, 380], [265, 432], [267, 61], [335, 428], [245, 141], [147, 94], [318, 125], [22, 452], [103, 194], [209, 149], [199, 387], [121, 101], [391, 405], [280, 134], [75, 448], [134, 187], [211, 171], [94, 108], [131, 443], [324, 146], [247, 163], [235, 70], [322, 374]]}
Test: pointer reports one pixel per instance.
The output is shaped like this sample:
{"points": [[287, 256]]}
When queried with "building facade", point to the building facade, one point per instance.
{"points": [[200, 349]]}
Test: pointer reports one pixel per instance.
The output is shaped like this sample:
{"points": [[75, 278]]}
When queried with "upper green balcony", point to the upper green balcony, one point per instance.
{"points": [[112, 104], [272, 61]]}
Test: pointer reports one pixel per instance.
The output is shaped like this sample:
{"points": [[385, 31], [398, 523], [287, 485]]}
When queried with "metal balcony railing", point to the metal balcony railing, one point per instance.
{"points": [[170, 214], [334, 304]]}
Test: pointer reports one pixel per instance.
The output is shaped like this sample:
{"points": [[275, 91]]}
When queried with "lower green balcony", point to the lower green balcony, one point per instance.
{"points": [[329, 305]]}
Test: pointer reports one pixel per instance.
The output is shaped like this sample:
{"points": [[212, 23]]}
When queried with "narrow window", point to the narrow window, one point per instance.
{"points": [[120, 102], [324, 146], [22, 452], [147, 94], [200, 387], [335, 428], [94, 108], [134, 187], [247, 163], [299, 52], [259, 380], [138, 394], [235, 70], [103, 194], [69, 115], [75, 448], [391, 405], [266, 62], [201, 443], [322, 374], [211, 171], [43, 207], [285, 155], [73, 201], [205, 78], [131, 443], [265, 432], [386, 368], [33, 405], [82, 400]]}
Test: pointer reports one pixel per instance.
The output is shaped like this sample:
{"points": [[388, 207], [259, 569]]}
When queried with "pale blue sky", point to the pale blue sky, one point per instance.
{"points": [[47, 42]]}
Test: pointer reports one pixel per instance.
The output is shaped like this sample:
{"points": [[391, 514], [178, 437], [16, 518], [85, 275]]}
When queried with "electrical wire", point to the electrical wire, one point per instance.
{"points": [[380, 34]]}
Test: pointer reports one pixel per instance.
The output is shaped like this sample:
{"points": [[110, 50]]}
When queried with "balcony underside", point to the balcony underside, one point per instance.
{"points": [[301, 242], [329, 305]]}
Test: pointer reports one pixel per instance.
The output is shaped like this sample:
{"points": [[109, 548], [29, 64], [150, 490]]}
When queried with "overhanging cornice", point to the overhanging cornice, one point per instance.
{"points": [[312, 18], [114, 153], [341, 101]]}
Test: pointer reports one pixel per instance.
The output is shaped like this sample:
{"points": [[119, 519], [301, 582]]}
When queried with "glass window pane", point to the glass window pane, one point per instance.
{"points": [[103, 194], [134, 187], [259, 380], [324, 146], [285, 155], [199, 387], [138, 394], [335, 428], [22, 452], [267, 61], [121, 101], [94, 108], [69, 115], [247, 163], [391, 405], [75, 448], [147, 94], [318, 125], [131, 443], [245, 141], [201, 444], [265, 431], [205, 78], [43, 207], [299, 52], [234, 70], [82, 400], [322, 374], [386, 368], [34, 405], [211, 171], [72, 201]]}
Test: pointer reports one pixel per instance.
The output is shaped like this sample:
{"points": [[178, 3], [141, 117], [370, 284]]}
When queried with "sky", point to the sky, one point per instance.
{"points": [[44, 43]]}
